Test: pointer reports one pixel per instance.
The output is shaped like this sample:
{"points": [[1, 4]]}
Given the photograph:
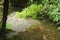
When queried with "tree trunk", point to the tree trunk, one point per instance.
{"points": [[4, 19]]}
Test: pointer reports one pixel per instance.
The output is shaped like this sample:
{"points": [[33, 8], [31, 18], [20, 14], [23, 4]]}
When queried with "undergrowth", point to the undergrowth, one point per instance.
{"points": [[30, 11], [49, 10]]}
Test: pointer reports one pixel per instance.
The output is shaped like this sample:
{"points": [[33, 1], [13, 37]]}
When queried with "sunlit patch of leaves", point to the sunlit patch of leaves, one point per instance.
{"points": [[31, 11]]}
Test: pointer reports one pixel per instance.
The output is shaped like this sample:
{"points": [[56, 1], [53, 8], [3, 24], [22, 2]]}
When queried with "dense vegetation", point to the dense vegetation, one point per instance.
{"points": [[43, 8], [38, 9], [35, 10], [30, 11]]}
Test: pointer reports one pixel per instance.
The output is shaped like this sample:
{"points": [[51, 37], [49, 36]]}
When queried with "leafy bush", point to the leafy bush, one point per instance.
{"points": [[55, 15], [51, 8], [31, 11]]}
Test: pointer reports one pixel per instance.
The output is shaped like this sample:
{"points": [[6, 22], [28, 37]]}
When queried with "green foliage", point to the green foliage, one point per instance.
{"points": [[31, 11], [50, 8], [55, 15], [45, 1], [58, 28]]}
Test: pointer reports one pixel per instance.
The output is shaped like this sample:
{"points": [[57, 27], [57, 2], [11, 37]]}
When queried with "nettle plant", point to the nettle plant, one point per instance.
{"points": [[30, 11]]}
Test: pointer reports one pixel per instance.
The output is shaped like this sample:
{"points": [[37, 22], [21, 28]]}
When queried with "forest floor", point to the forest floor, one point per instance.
{"points": [[48, 29]]}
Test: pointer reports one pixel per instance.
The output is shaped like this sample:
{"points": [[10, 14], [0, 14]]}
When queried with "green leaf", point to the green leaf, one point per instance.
{"points": [[58, 28], [30, 11]]}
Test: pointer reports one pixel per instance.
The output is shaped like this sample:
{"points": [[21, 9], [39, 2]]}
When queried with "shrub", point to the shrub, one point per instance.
{"points": [[51, 10], [55, 15], [30, 11]]}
